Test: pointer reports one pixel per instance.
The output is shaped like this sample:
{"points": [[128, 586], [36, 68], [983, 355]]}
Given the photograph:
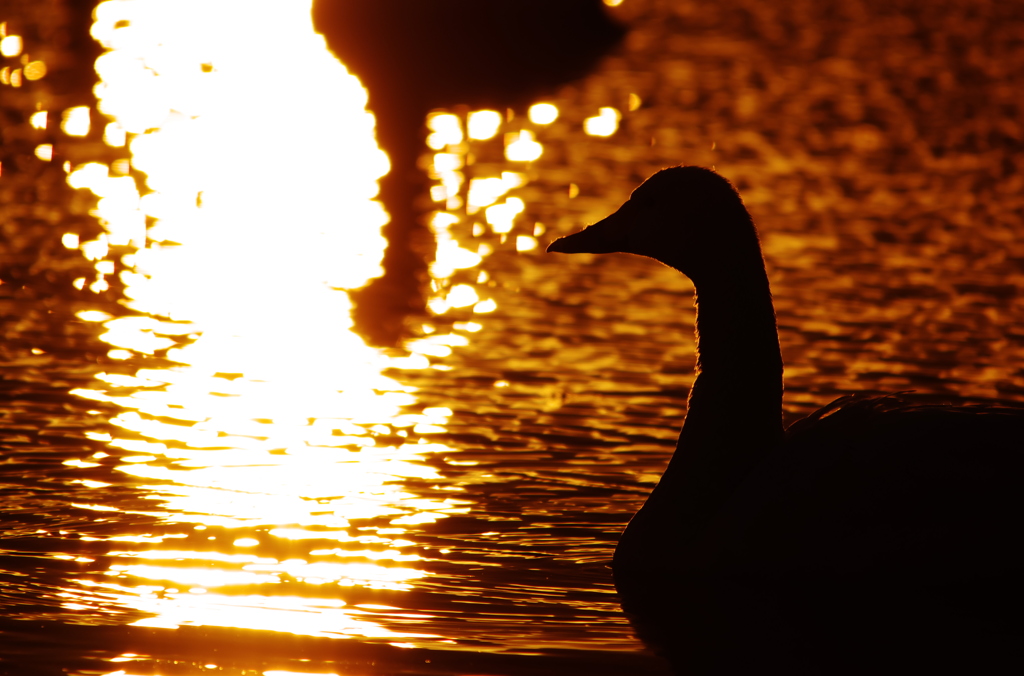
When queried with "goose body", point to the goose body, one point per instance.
{"points": [[877, 535]]}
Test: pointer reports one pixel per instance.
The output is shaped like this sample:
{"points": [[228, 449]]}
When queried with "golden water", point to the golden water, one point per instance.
{"points": [[206, 470]]}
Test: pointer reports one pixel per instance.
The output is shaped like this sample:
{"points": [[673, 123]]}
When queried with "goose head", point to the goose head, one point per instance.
{"points": [[689, 218]]}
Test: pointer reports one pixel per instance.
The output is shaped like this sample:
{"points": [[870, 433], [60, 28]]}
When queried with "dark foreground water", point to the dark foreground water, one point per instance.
{"points": [[205, 471]]}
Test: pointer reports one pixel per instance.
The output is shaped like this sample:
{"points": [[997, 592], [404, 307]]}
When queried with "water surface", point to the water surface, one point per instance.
{"points": [[206, 470]]}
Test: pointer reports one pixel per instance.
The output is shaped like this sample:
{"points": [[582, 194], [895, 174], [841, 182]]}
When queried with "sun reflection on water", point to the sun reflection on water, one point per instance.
{"points": [[476, 195], [259, 417], [250, 414]]}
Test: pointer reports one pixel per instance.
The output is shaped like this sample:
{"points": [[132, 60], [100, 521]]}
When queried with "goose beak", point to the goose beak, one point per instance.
{"points": [[605, 236]]}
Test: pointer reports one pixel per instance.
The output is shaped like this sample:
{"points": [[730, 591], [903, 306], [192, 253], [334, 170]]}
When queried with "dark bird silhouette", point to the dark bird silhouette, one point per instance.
{"points": [[417, 55], [877, 535]]}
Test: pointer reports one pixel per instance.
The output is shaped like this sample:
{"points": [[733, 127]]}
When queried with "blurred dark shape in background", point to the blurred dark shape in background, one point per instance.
{"points": [[418, 55]]}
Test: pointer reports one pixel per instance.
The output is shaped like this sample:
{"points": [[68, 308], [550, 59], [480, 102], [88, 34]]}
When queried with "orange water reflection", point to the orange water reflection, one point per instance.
{"points": [[480, 207], [250, 416], [257, 416]]}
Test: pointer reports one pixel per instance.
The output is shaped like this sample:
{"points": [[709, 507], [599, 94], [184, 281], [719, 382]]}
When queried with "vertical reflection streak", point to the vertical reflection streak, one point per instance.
{"points": [[250, 413]]}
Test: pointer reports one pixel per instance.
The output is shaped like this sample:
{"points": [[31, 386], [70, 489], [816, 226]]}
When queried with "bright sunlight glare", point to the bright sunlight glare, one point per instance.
{"points": [[267, 418]]}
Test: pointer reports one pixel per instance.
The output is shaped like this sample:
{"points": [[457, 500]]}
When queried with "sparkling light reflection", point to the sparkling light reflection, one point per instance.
{"points": [[605, 123], [483, 124], [249, 411], [543, 113], [479, 210], [10, 46], [266, 422]]}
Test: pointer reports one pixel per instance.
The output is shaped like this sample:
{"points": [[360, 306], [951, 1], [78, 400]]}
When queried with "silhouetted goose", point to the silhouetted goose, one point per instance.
{"points": [[875, 536]]}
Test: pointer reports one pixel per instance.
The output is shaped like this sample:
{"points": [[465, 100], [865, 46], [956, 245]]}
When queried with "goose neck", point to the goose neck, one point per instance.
{"points": [[739, 363], [734, 412]]}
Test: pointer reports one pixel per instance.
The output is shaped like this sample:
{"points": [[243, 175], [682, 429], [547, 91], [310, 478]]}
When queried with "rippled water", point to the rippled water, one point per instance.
{"points": [[251, 487]]}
